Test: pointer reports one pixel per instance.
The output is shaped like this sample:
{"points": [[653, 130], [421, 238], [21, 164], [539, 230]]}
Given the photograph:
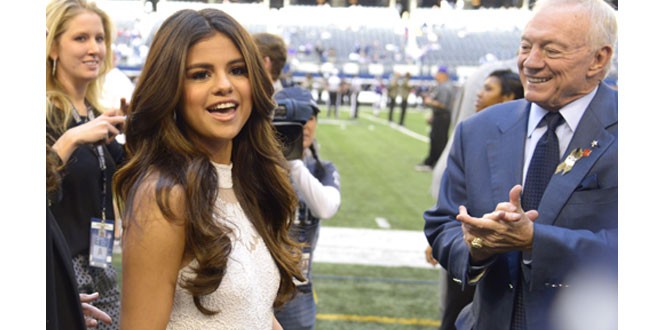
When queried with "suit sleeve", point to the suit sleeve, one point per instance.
{"points": [[441, 228], [563, 251]]}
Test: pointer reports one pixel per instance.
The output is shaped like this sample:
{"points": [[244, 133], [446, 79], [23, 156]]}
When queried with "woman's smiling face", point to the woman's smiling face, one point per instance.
{"points": [[217, 95], [80, 49]]}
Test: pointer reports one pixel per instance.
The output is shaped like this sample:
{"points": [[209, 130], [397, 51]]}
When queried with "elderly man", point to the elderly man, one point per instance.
{"points": [[529, 196]]}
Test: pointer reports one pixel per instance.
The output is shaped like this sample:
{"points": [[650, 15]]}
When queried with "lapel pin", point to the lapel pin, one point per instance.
{"points": [[572, 158], [594, 144]]}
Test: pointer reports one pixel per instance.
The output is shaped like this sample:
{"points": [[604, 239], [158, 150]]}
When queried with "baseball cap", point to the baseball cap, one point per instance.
{"points": [[299, 94], [443, 69]]}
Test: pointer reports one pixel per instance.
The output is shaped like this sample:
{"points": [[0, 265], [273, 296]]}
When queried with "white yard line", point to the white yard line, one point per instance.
{"points": [[395, 126], [376, 247], [382, 223]]}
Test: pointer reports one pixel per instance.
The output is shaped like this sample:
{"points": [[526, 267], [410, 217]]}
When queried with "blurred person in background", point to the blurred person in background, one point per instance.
{"points": [[206, 242], [392, 93], [82, 136], [333, 86], [274, 53], [317, 186], [381, 100], [440, 100], [500, 86], [355, 89], [405, 88], [116, 86], [308, 83]]}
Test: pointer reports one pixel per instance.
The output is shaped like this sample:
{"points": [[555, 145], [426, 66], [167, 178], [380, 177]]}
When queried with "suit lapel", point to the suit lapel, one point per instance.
{"points": [[505, 159], [600, 114], [506, 152]]}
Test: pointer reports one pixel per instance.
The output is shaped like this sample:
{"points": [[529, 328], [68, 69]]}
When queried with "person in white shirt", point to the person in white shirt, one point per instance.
{"points": [[116, 86]]}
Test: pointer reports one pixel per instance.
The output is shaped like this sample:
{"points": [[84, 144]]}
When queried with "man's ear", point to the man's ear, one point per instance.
{"points": [[267, 63], [268, 66], [601, 59]]}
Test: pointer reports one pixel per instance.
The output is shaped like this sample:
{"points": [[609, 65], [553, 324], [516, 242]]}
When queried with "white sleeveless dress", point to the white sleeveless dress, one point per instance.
{"points": [[246, 294]]}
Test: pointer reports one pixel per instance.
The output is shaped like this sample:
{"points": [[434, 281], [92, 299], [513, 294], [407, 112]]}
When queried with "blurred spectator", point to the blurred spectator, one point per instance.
{"points": [[317, 184], [500, 86], [392, 93], [355, 89], [308, 83], [381, 99], [440, 100], [274, 53], [333, 87], [404, 91], [116, 86]]}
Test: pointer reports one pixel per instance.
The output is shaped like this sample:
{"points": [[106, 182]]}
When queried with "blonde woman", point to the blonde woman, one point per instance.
{"points": [[82, 136]]}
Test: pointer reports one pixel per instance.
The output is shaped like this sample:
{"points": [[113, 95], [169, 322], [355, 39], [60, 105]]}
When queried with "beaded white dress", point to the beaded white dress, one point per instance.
{"points": [[246, 294]]}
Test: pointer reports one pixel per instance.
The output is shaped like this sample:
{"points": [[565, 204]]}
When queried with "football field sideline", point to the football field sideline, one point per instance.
{"points": [[372, 247]]}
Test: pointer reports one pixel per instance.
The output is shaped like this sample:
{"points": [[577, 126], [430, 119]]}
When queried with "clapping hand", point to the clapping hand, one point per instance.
{"points": [[505, 229]]}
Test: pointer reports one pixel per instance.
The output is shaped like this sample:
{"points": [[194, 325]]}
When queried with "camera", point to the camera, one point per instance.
{"points": [[289, 117]]}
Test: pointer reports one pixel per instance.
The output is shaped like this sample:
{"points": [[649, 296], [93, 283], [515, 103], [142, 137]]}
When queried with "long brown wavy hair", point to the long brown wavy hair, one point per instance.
{"points": [[156, 142], [59, 14], [53, 165]]}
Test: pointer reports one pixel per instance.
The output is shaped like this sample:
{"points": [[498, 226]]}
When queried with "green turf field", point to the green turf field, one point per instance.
{"points": [[376, 165], [369, 297]]}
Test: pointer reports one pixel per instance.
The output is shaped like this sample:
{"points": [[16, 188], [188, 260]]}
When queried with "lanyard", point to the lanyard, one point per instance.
{"points": [[100, 154]]}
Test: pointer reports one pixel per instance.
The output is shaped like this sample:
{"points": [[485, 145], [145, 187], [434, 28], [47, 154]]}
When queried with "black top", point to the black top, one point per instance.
{"points": [[63, 309], [81, 191]]}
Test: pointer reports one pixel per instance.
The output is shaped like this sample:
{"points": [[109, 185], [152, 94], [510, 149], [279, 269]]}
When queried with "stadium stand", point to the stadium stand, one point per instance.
{"points": [[367, 41]]}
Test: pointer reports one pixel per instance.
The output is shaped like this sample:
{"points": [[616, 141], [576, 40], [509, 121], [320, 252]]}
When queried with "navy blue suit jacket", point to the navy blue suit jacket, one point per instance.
{"points": [[577, 222]]}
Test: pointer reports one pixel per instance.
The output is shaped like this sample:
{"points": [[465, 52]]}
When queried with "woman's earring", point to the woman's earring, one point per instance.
{"points": [[54, 67]]}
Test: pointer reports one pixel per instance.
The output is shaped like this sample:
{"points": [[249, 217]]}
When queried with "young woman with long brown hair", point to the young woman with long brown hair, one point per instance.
{"points": [[205, 193]]}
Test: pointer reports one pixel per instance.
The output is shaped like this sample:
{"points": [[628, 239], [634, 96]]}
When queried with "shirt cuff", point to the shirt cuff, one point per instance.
{"points": [[476, 272]]}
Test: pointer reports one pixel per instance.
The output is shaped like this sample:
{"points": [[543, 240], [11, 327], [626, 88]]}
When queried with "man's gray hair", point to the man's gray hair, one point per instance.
{"points": [[603, 30]]}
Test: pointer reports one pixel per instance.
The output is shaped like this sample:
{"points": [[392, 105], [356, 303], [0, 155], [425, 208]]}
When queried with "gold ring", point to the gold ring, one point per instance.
{"points": [[476, 243]]}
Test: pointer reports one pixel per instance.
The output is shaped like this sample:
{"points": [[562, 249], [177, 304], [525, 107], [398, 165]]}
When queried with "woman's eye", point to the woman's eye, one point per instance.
{"points": [[200, 75], [239, 71]]}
